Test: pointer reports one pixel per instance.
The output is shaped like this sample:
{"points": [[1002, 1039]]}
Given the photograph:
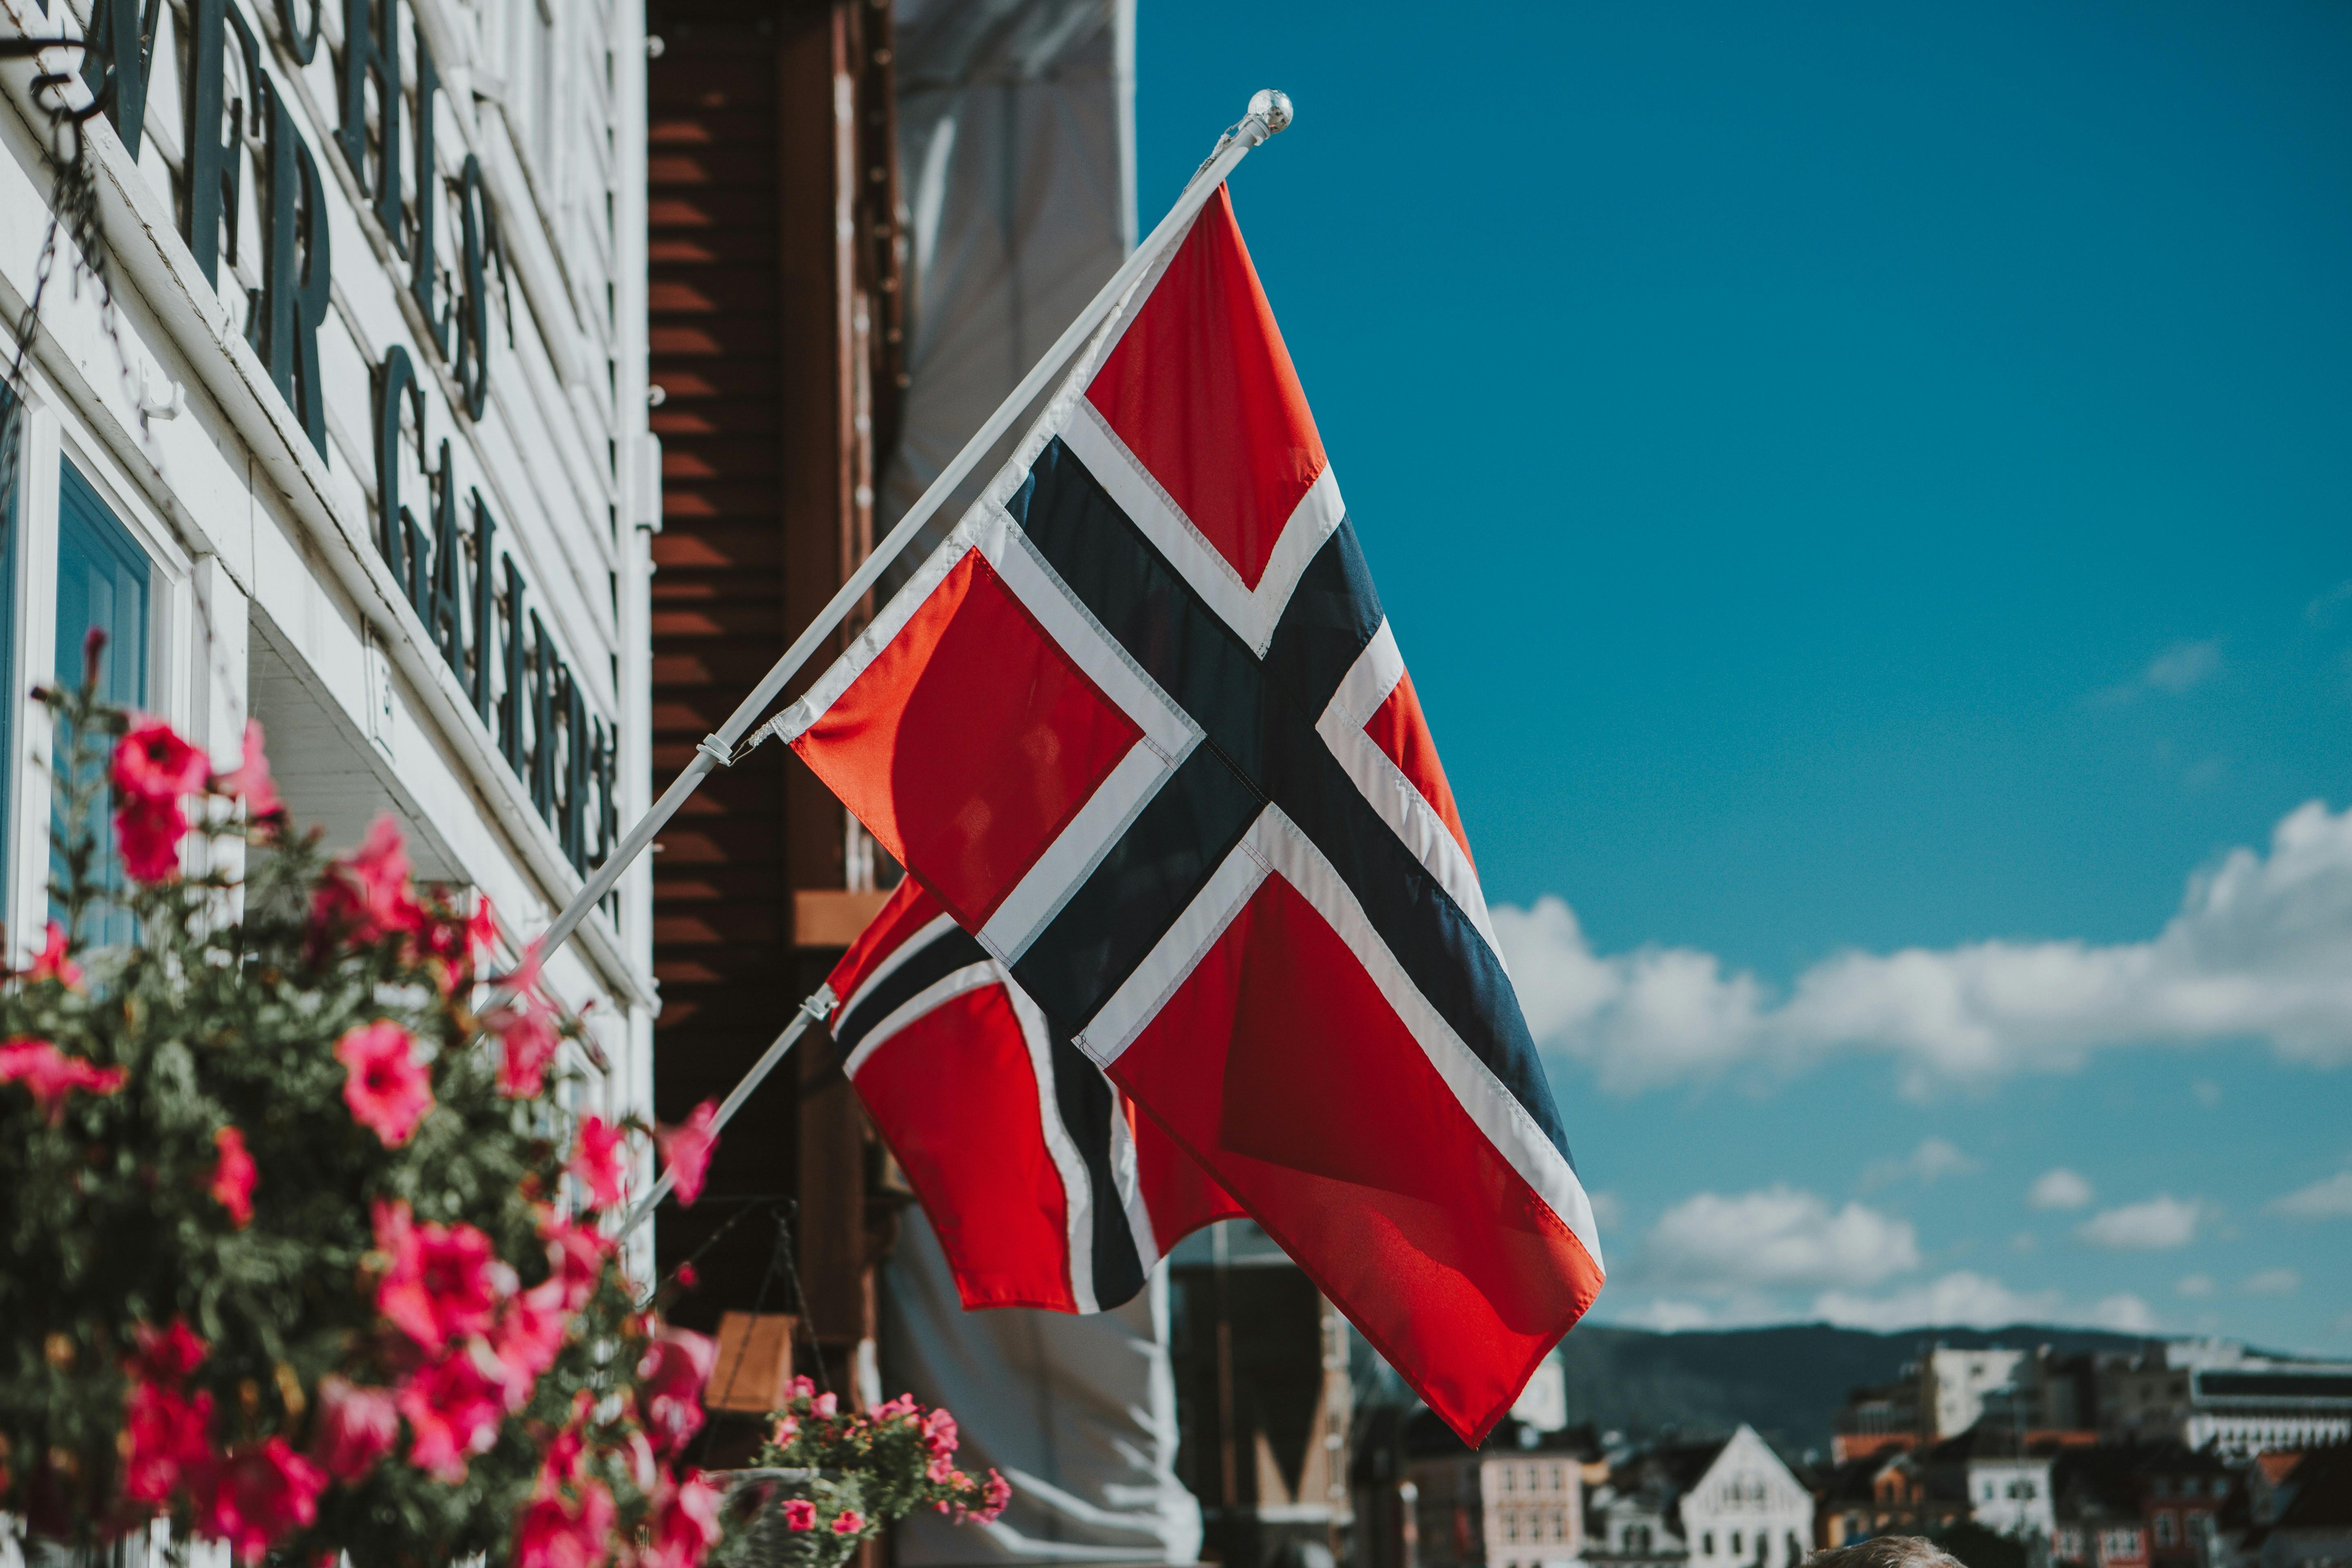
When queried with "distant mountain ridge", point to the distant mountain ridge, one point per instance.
{"points": [[1788, 1382]]}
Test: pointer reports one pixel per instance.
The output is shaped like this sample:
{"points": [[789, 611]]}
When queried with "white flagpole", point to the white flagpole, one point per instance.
{"points": [[1269, 113]]}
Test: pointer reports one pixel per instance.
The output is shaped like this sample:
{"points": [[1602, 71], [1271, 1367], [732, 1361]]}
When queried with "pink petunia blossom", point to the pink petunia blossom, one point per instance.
{"points": [[365, 896], [782, 1433], [265, 1492], [52, 962], [826, 1405], [599, 1160], [50, 1075], [444, 1283], [685, 1523], [1000, 1492], [250, 780], [669, 1385], [167, 1438], [803, 1387], [454, 1408], [166, 1355], [902, 1406], [941, 1470], [848, 1522], [799, 1513], [577, 1253], [528, 1042], [154, 766], [553, 1533], [686, 1150], [385, 1086], [356, 1427], [527, 1339], [148, 835], [482, 935], [939, 1434], [234, 1177]]}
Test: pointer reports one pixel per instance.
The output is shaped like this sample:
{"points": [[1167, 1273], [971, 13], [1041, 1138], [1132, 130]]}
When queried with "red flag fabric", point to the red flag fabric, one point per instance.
{"points": [[1044, 1186], [1144, 730]]}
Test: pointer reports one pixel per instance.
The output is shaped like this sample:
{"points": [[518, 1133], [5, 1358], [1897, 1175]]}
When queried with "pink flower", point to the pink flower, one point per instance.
{"points": [[939, 1434], [529, 1335], [577, 1253], [848, 1522], [453, 1407], [266, 1492], [802, 1388], [51, 963], [902, 1406], [669, 1385], [169, 1443], [250, 778], [555, 1535], [149, 838], [528, 1039], [385, 1086], [599, 1160], [799, 1513], [444, 1280], [356, 1427], [1000, 1492], [784, 1431], [365, 896], [51, 1075], [166, 1355], [686, 1150], [154, 767], [232, 1176], [482, 935], [685, 1523], [826, 1405], [941, 1470]]}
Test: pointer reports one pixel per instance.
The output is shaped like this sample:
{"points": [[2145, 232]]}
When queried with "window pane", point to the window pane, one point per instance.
{"points": [[103, 584]]}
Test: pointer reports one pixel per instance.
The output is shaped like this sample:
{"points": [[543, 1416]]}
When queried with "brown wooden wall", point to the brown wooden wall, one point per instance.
{"points": [[775, 339]]}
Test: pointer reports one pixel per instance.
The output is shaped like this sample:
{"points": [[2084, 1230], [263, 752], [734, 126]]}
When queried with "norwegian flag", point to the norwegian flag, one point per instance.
{"points": [[1045, 1188], [1142, 728]]}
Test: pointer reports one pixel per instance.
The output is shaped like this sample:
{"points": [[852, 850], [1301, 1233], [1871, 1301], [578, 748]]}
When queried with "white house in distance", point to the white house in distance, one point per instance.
{"points": [[1731, 1503], [362, 451]]}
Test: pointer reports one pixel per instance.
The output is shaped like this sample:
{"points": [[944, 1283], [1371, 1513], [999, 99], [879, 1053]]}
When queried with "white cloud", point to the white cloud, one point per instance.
{"points": [[1934, 1157], [2330, 1199], [2183, 665], [2273, 1282], [1779, 1237], [2058, 1189], [2194, 1285], [1973, 1300], [2160, 1223], [1608, 1210], [1671, 1317], [2260, 947]]}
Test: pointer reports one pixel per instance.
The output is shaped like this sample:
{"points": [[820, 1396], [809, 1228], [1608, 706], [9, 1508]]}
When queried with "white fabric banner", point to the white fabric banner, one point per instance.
{"points": [[1080, 1412]]}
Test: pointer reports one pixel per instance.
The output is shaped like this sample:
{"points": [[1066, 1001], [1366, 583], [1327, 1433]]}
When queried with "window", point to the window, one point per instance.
{"points": [[1738, 1543], [1707, 1544], [102, 586], [2166, 1531]]}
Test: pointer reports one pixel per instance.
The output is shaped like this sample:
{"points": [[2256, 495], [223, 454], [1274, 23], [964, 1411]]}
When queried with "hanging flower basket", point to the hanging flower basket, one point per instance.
{"points": [[299, 1251], [828, 1480]]}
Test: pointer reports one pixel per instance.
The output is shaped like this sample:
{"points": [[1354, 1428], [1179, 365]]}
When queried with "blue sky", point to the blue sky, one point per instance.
{"points": [[1856, 481]]}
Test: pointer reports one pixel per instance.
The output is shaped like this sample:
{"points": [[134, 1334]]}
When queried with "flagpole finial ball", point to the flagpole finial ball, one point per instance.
{"points": [[1272, 107]]}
